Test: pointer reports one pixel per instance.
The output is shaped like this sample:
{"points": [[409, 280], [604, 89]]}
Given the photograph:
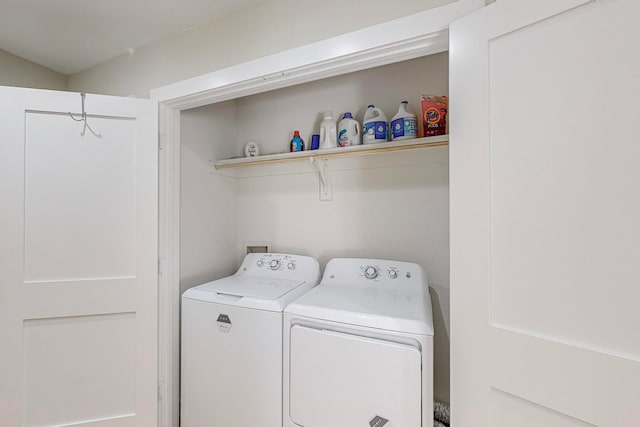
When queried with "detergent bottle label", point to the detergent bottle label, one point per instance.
{"points": [[343, 138], [375, 131], [404, 126]]}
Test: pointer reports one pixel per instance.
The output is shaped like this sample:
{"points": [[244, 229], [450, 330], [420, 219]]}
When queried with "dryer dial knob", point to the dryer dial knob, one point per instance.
{"points": [[275, 264], [371, 272]]}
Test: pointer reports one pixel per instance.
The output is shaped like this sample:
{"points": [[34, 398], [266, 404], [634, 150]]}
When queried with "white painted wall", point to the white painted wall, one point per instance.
{"points": [[15, 71], [392, 207], [207, 202], [267, 27]]}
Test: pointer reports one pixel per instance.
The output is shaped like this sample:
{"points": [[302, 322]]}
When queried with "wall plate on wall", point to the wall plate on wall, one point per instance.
{"points": [[249, 247], [256, 247], [262, 249]]}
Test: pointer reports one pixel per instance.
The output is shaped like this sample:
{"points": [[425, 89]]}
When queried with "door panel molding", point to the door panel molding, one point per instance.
{"points": [[591, 382], [559, 369], [82, 351]]}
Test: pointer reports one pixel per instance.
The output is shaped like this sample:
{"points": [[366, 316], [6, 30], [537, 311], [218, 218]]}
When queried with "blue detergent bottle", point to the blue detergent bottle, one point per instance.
{"points": [[297, 144]]}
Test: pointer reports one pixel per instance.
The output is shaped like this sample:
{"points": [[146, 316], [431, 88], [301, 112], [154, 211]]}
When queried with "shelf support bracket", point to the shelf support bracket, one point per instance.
{"points": [[324, 176]]}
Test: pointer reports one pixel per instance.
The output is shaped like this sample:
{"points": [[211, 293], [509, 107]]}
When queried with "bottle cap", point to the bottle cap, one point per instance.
{"points": [[371, 106], [296, 133], [328, 114], [347, 116], [404, 102]]}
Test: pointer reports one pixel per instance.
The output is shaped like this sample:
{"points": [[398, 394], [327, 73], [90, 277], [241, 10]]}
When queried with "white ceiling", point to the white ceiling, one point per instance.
{"points": [[72, 35]]}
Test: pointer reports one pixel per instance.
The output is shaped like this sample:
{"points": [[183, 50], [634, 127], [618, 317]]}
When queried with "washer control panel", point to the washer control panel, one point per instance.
{"points": [[374, 272], [283, 266]]}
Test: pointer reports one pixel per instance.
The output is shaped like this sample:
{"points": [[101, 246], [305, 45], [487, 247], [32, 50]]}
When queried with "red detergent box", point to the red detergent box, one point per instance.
{"points": [[434, 115]]}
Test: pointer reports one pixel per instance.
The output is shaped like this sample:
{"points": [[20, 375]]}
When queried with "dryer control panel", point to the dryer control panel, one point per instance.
{"points": [[280, 266], [383, 274]]}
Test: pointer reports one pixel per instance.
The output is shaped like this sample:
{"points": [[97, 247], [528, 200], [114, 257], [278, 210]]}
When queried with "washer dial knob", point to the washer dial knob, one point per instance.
{"points": [[291, 266], [371, 272], [260, 263], [274, 264], [393, 273]]}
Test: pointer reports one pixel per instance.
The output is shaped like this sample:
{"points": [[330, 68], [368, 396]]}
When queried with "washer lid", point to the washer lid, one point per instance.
{"points": [[247, 291], [375, 308], [247, 286]]}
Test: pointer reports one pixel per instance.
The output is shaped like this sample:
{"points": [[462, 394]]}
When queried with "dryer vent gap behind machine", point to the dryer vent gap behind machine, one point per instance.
{"points": [[358, 348], [231, 365]]}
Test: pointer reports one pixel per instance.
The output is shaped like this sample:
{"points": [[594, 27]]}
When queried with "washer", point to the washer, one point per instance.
{"points": [[358, 348], [232, 342]]}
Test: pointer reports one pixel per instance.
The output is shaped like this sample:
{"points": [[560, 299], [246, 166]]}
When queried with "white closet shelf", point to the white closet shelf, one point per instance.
{"points": [[354, 150]]}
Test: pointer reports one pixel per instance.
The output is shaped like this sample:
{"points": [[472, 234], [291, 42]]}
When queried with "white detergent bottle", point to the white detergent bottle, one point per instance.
{"points": [[374, 126], [328, 131], [348, 131], [404, 124]]}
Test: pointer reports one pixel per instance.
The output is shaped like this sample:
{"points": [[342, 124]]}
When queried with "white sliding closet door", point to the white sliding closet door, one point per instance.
{"points": [[545, 214], [78, 261]]}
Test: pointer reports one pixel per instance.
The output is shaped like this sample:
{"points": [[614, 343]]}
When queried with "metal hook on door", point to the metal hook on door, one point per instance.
{"points": [[83, 118]]}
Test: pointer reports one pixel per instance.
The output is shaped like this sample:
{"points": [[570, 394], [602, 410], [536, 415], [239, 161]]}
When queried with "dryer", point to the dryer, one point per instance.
{"points": [[231, 349], [358, 348]]}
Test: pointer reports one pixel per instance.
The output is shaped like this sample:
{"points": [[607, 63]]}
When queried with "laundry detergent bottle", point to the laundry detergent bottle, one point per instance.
{"points": [[328, 131], [297, 144], [404, 125], [374, 126], [348, 131]]}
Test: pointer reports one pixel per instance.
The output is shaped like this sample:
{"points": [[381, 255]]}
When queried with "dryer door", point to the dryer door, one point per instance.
{"points": [[345, 380]]}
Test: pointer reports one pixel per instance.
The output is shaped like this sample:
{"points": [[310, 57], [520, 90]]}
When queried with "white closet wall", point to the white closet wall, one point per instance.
{"points": [[207, 202], [390, 206]]}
